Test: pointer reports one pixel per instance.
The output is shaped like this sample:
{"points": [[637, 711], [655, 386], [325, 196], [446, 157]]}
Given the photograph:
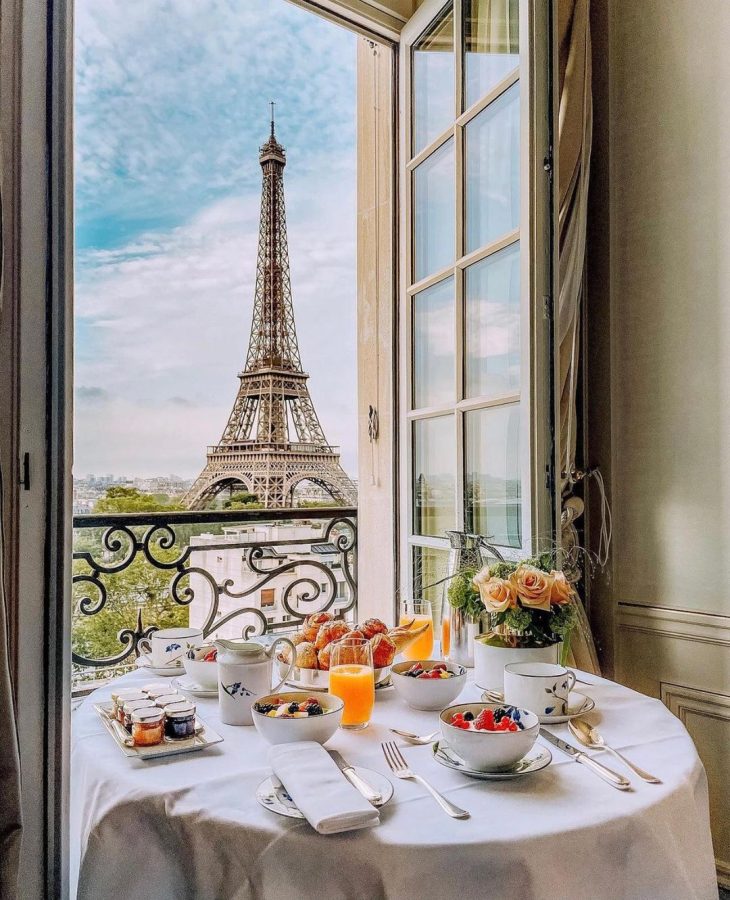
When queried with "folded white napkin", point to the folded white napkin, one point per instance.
{"points": [[326, 798]]}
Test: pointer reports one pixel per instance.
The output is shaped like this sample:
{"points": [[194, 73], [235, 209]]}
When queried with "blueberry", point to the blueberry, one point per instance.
{"points": [[468, 716]]}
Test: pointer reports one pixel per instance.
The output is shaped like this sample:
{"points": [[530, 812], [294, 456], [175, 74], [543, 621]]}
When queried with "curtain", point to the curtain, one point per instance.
{"points": [[10, 815], [575, 128]]}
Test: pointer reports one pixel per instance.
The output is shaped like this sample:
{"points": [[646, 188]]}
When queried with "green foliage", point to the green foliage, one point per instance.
{"points": [[243, 500], [121, 499], [463, 595], [316, 504]]}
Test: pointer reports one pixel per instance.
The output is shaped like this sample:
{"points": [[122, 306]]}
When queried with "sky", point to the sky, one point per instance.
{"points": [[171, 106]]}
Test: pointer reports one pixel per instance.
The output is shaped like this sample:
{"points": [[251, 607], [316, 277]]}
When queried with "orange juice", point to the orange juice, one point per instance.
{"points": [[422, 647], [445, 636], [355, 685]]}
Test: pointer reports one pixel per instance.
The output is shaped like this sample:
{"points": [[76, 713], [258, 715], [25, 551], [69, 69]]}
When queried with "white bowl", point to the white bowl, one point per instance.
{"points": [[313, 728], [489, 751], [428, 693], [203, 673]]}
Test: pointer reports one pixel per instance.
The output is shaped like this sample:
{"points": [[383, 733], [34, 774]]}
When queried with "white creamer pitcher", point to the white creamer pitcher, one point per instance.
{"points": [[244, 675]]}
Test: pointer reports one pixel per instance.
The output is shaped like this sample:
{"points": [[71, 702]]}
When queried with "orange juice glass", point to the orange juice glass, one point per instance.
{"points": [[418, 613], [445, 636], [352, 679]]}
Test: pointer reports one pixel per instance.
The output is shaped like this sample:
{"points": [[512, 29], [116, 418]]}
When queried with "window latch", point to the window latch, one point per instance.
{"points": [[25, 472]]}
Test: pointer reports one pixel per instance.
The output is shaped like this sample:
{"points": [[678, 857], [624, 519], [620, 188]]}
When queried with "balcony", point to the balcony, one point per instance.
{"points": [[231, 573]]}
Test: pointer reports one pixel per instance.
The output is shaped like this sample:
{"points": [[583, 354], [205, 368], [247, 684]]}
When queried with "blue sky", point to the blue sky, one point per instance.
{"points": [[171, 107]]}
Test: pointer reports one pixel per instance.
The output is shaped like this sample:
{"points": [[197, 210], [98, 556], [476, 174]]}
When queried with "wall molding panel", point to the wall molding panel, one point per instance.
{"points": [[683, 624]]}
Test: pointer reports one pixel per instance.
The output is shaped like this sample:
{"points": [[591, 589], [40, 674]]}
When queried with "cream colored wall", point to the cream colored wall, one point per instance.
{"points": [[668, 183]]}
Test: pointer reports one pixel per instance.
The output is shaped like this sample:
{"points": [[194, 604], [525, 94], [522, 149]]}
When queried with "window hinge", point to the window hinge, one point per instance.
{"points": [[25, 472], [547, 307]]}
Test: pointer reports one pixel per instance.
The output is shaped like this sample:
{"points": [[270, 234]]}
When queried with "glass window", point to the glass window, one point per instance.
{"points": [[491, 44], [433, 82], [492, 488], [433, 345], [492, 198], [268, 597], [433, 212], [434, 465], [492, 324], [429, 566]]}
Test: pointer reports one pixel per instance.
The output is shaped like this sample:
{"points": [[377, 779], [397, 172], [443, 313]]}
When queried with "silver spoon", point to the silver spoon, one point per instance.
{"points": [[590, 737], [417, 738]]}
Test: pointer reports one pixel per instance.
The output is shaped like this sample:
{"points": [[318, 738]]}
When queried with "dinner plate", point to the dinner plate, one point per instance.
{"points": [[189, 686], [272, 794], [579, 705], [144, 662], [536, 759]]}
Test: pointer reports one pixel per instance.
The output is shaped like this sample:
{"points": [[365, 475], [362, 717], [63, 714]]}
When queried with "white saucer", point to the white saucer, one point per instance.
{"points": [[536, 759], [188, 686], [272, 794], [578, 705], [144, 662]]}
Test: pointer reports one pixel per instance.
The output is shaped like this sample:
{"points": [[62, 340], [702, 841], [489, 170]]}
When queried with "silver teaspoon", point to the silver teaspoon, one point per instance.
{"points": [[590, 737], [416, 738]]}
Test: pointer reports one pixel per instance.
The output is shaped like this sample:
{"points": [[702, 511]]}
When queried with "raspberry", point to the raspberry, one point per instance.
{"points": [[485, 720]]}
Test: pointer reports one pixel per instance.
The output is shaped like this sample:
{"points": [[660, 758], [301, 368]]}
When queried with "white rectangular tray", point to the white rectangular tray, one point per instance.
{"points": [[204, 737]]}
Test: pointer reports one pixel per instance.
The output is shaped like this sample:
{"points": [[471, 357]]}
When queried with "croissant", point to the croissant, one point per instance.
{"points": [[323, 657], [404, 637], [383, 650], [371, 627], [311, 624], [307, 656], [296, 639], [332, 631]]}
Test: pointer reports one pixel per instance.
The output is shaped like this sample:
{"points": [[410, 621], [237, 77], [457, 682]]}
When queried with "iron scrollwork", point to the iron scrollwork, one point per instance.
{"points": [[128, 537]]}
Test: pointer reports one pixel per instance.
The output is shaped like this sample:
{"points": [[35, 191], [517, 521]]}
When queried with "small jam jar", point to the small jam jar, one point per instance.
{"points": [[147, 726], [156, 689], [179, 721], [167, 699], [130, 706], [124, 697]]}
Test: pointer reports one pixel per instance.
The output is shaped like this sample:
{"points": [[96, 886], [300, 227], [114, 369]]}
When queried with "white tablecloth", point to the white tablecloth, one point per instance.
{"points": [[190, 827]]}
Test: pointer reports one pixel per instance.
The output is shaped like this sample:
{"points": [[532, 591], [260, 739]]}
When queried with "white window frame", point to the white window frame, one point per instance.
{"points": [[537, 276]]}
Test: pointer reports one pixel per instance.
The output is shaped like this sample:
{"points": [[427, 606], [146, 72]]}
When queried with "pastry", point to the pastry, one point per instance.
{"points": [[307, 656], [311, 624], [296, 639], [332, 631], [371, 627], [402, 637], [323, 657], [383, 650]]}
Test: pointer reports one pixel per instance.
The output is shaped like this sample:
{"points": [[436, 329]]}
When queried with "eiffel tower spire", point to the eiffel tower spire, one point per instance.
{"points": [[273, 439]]}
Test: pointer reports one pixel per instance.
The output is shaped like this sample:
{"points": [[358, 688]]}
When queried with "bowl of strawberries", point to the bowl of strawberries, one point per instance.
{"points": [[489, 736], [428, 683]]}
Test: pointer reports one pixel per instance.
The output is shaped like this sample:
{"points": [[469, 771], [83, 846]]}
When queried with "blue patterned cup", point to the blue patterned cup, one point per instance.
{"points": [[543, 688], [166, 648]]}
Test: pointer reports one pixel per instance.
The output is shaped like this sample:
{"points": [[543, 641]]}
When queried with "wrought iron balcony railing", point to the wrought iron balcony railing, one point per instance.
{"points": [[242, 572]]}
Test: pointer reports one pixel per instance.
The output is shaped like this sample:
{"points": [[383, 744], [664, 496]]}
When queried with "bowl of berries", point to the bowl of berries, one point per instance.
{"points": [[201, 664], [489, 736], [428, 683], [297, 716]]}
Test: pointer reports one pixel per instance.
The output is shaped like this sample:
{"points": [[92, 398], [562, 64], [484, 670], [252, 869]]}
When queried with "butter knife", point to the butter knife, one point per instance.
{"points": [[608, 775], [368, 792]]}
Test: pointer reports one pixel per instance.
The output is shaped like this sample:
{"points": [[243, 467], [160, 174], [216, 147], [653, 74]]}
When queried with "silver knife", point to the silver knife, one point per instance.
{"points": [[608, 775], [368, 792]]}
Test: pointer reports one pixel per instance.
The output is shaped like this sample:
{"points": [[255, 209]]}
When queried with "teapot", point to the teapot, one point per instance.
{"points": [[244, 675]]}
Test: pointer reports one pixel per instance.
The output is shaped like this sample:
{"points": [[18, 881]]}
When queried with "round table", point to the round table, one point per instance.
{"points": [[191, 827]]}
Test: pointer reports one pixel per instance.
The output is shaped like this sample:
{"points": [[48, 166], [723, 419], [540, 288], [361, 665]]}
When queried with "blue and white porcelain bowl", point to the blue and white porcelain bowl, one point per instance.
{"points": [[489, 751]]}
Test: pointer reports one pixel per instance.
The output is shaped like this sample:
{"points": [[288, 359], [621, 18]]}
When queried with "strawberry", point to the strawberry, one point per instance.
{"points": [[485, 720]]}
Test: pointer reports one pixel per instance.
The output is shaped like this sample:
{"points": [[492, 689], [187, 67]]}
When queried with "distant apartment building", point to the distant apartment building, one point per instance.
{"points": [[227, 557]]}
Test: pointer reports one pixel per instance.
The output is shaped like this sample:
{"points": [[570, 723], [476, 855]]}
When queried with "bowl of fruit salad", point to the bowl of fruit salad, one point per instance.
{"points": [[428, 683], [297, 716], [489, 736], [201, 664]]}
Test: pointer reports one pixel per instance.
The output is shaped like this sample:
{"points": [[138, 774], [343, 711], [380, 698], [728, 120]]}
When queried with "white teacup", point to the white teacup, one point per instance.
{"points": [[543, 688], [167, 647]]}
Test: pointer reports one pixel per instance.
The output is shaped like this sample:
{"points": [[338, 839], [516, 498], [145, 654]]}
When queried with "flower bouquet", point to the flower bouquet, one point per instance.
{"points": [[527, 607]]}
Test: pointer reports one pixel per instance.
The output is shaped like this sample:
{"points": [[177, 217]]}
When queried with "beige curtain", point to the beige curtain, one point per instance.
{"points": [[575, 128], [10, 817]]}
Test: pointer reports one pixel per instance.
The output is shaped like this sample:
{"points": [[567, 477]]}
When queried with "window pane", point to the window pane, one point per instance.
{"points": [[433, 82], [433, 212], [433, 345], [493, 171], [429, 566], [492, 501], [492, 324], [491, 44], [433, 476]]}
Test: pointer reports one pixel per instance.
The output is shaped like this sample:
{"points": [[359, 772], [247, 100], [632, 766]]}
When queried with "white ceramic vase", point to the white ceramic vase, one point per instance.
{"points": [[489, 662]]}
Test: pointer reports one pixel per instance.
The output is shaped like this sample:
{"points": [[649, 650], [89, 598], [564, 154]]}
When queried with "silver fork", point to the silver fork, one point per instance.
{"points": [[400, 769]]}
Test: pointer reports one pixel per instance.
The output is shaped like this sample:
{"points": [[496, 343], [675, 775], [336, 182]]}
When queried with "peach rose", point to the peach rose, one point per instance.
{"points": [[561, 591], [497, 594], [532, 587]]}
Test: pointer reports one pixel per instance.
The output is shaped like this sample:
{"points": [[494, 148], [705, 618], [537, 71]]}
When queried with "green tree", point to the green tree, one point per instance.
{"points": [[243, 500], [121, 499]]}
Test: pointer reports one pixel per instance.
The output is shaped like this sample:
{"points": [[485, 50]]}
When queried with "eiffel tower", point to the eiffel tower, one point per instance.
{"points": [[273, 439]]}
